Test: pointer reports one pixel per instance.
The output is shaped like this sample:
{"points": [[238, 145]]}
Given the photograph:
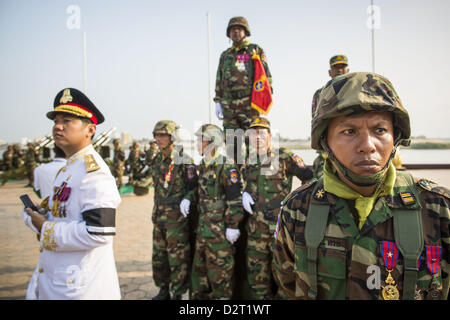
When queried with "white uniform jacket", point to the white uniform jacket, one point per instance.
{"points": [[76, 259]]}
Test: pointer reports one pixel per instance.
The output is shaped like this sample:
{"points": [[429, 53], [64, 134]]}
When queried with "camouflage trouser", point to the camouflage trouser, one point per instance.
{"points": [[170, 248], [237, 114], [259, 253], [30, 172], [117, 172], [212, 268]]}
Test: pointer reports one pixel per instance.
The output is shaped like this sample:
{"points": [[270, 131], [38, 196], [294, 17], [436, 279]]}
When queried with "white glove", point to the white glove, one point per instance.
{"points": [[232, 234], [27, 221], [219, 112], [184, 207], [247, 202]]}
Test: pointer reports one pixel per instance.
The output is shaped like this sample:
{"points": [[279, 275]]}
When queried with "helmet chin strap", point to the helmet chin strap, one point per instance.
{"points": [[359, 180]]}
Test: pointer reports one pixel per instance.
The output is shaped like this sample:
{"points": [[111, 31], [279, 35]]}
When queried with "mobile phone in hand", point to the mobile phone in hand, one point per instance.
{"points": [[28, 203]]}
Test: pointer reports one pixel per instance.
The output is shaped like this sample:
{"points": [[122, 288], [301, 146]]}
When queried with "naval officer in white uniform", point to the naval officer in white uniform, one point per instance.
{"points": [[76, 234]]}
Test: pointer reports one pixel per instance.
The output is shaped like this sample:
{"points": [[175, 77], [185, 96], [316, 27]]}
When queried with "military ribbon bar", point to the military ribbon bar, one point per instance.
{"points": [[390, 254], [433, 256]]}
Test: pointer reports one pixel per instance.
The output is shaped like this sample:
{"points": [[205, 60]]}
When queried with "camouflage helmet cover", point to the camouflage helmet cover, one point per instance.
{"points": [[354, 93], [238, 21], [210, 132], [165, 127]]}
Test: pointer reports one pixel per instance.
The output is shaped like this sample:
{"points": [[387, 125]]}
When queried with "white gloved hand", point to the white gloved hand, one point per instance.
{"points": [[27, 221], [232, 234], [184, 207], [219, 112], [247, 202]]}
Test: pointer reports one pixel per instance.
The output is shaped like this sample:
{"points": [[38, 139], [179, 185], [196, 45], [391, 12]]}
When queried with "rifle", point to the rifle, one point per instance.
{"points": [[103, 139]]}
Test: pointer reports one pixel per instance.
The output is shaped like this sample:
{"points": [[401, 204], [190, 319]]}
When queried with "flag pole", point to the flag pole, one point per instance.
{"points": [[209, 66], [84, 63], [373, 36]]}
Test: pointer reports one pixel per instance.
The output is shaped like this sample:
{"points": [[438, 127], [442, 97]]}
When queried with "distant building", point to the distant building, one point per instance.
{"points": [[126, 138]]}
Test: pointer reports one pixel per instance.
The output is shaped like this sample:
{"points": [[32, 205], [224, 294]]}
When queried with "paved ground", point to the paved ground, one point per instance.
{"points": [[132, 244]]}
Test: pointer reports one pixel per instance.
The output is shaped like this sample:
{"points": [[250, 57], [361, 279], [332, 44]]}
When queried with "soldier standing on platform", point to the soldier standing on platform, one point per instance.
{"points": [[77, 259], [338, 66], [118, 165], [220, 211], [234, 82], [363, 230], [268, 177], [174, 176]]}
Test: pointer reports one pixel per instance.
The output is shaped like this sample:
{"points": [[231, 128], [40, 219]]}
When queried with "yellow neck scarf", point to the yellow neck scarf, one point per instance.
{"points": [[363, 204]]}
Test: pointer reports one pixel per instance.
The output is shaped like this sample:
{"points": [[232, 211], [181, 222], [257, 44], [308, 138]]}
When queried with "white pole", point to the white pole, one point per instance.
{"points": [[373, 36], [209, 66], [84, 64]]}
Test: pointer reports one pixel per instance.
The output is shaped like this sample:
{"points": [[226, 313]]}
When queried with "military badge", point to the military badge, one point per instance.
{"points": [[407, 198], [60, 196], [168, 175], [433, 259], [299, 161], [66, 97], [191, 172], [90, 163], [233, 176], [390, 257]]}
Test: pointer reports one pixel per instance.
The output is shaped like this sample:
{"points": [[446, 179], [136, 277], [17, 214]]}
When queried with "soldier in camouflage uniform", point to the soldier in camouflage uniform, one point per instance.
{"points": [[220, 211], [17, 156], [268, 180], [363, 230], [8, 158], [150, 154], [134, 162], [338, 66], [31, 159], [234, 81], [174, 176], [118, 165]]}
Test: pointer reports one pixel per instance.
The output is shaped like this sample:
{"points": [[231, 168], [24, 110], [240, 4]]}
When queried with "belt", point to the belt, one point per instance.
{"points": [[238, 94], [170, 200]]}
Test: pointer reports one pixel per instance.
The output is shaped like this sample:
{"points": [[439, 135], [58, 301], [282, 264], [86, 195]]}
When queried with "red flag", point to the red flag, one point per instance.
{"points": [[261, 94]]}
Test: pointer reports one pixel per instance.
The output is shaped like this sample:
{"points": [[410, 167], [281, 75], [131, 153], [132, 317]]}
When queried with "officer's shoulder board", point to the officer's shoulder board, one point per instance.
{"points": [[300, 189], [90, 163], [433, 187]]}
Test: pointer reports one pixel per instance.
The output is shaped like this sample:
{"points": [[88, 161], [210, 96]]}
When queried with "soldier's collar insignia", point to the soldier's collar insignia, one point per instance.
{"points": [[407, 198], [66, 97], [320, 194]]}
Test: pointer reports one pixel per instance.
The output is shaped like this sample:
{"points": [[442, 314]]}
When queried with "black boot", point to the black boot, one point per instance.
{"points": [[163, 294], [177, 297]]}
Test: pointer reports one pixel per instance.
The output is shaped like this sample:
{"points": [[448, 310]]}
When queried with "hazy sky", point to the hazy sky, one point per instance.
{"points": [[148, 60]]}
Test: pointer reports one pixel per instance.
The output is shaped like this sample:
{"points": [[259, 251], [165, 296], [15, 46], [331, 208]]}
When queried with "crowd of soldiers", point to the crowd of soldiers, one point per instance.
{"points": [[232, 229], [17, 162]]}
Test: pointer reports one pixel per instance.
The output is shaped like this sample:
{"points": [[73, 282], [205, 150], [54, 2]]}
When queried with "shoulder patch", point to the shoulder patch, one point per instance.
{"points": [[90, 163], [298, 161], [233, 176], [434, 187]]}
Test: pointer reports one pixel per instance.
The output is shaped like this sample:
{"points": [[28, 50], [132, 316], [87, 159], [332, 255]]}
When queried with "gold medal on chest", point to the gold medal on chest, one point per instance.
{"points": [[390, 291]]}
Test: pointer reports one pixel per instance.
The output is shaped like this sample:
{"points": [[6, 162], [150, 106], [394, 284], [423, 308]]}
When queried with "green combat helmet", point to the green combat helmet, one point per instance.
{"points": [[355, 93], [166, 127], [238, 21], [211, 132]]}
